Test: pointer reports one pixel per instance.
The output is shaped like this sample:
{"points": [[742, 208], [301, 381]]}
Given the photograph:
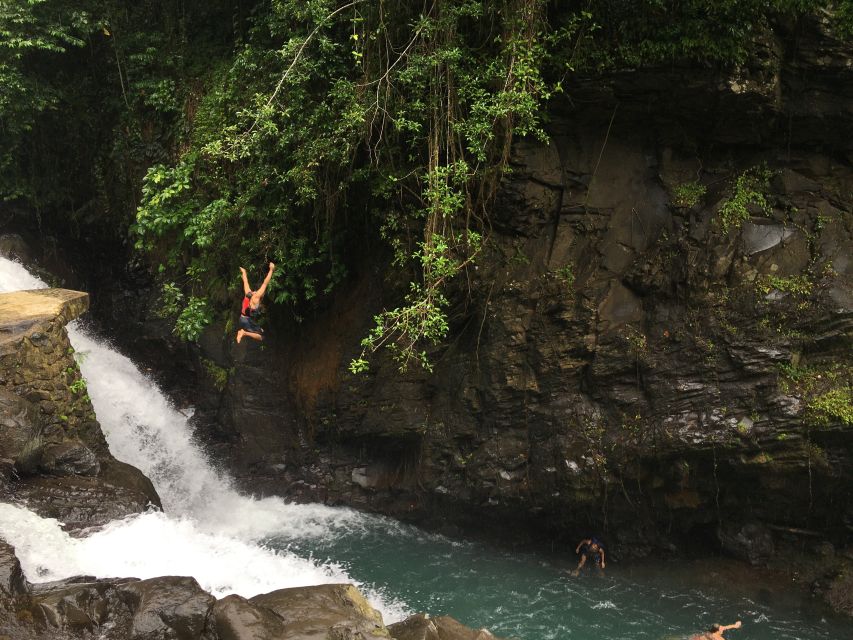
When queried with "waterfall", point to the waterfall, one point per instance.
{"points": [[207, 530]]}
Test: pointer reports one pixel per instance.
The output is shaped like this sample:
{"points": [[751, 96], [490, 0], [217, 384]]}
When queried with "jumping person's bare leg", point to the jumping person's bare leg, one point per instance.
{"points": [[242, 333]]}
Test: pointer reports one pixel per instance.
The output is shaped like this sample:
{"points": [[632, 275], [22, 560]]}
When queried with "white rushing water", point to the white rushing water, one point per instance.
{"points": [[208, 530]]}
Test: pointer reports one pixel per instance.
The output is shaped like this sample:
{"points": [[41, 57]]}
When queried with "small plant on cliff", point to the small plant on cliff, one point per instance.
{"points": [[688, 194], [566, 273], [836, 405], [827, 391], [218, 375], [799, 285], [78, 386], [749, 190], [637, 340]]}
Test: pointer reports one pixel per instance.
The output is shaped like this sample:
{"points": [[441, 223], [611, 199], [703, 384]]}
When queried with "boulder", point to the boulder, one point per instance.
{"points": [[70, 457], [336, 611], [82, 501], [235, 618], [14, 247], [422, 627], [839, 594], [167, 608], [20, 432], [79, 604], [12, 580], [752, 542]]}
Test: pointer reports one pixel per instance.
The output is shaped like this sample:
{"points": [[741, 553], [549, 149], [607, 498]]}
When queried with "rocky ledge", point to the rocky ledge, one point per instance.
{"points": [[53, 455], [173, 607]]}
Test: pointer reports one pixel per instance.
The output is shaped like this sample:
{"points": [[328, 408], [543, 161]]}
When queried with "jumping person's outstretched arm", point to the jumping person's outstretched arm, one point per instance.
{"points": [[246, 288], [726, 627], [581, 543], [263, 288], [601, 550]]}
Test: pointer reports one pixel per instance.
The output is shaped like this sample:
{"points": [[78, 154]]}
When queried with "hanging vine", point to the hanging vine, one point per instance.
{"points": [[463, 121]]}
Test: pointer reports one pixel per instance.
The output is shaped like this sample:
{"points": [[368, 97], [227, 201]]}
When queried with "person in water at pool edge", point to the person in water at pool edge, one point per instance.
{"points": [[716, 631], [589, 549], [250, 307]]}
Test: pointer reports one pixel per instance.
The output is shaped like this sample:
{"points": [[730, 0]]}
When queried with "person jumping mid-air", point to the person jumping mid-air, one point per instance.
{"points": [[249, 310]]}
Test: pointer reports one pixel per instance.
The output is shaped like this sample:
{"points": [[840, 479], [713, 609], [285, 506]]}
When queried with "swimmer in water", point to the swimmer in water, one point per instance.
{"points": [[716, 631]]}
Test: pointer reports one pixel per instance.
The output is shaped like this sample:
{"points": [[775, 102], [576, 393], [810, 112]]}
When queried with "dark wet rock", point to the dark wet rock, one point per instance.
{"points": [[176, 608], [12, 580], [423, 627], [752, 542], [324, 611], [615, 350], [82, 501], [70, 457], [13, 246], [167, 608], [839, 591], [20, 432], [236, 618], [80, 604], [131, 480]]}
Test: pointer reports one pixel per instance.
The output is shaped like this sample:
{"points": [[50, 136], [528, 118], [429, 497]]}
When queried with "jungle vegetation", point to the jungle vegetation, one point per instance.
{"points": [[213, 133]]}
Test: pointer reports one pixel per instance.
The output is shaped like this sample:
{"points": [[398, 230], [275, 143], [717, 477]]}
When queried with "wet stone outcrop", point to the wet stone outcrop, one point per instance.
{"points": [[177, 608], [421, 627], [53, 455]]}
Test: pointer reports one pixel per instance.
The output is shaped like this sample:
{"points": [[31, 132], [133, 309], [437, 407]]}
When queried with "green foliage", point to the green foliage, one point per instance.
{"points": [[192, 313], [688, 194], [298, 131], [827, 391], [637, 341], [422, 318], [416, 110], [637, 33], [33, 33], [193, 318], [749, 189], [78, 386], [218, 375], [844, 17], [566, 273], [800, 285], [171, 300], [836, 405]]}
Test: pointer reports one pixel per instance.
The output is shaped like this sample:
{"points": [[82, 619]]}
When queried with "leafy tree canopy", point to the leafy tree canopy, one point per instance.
{"points": [[294, 130]]}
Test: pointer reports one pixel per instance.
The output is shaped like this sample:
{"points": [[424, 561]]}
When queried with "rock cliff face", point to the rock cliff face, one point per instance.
{"points": [[655, 346], [53, 455]]}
